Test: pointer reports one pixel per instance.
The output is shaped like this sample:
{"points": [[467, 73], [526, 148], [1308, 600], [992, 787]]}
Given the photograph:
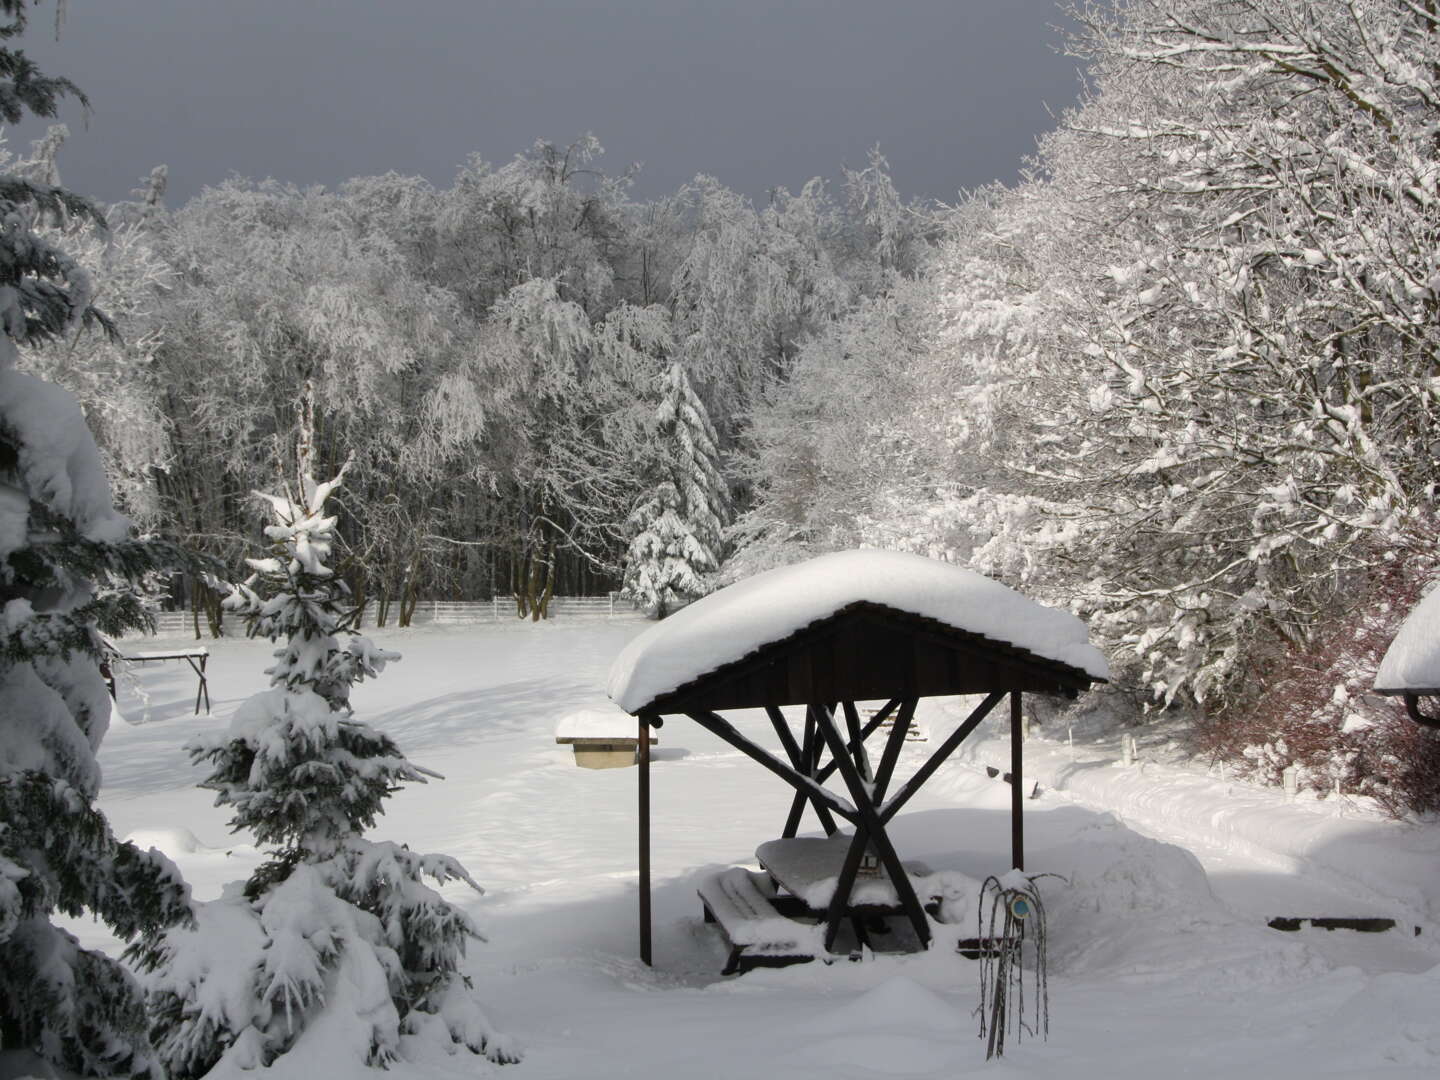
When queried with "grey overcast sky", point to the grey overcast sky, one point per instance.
{"points": [[758, 93]]}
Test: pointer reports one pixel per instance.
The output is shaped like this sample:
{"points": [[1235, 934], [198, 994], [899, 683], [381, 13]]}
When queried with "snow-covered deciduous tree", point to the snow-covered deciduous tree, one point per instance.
{"points": [[335, 947], [67, 569], [679, 522], [113, 375]]}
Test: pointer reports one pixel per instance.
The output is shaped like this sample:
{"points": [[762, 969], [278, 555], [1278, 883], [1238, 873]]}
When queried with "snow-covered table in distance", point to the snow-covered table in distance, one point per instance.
{"points": [[196, 658], [601, 738]]}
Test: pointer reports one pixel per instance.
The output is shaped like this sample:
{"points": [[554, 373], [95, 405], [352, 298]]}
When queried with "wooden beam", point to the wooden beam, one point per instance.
{"points": [[892, 749], [857, 742], [644, 784], [869, 729], [869, 823], [1017, 787], [800, 759], [916, 782], [722, 729]]}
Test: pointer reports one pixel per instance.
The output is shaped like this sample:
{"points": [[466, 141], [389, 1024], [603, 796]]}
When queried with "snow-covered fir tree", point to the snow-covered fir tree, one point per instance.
{"points": [[68, 570], [677, 527], [336, 948]]}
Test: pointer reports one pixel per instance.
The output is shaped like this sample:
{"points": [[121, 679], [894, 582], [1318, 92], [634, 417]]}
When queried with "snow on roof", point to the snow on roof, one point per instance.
{"points": [[732, 623], [597, 724], [1413, 660]]}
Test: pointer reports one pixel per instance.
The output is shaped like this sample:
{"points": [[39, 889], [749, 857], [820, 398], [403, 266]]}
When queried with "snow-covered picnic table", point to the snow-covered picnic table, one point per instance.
{"points": [[809, 868], [196, 658], [601, 738]]}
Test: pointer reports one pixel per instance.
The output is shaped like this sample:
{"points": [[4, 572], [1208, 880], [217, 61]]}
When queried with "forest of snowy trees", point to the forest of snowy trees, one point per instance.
{"points": [[1181, 378]]}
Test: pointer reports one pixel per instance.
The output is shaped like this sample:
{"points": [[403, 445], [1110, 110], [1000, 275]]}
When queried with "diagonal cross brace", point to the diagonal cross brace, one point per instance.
{"points": [[868, 730], [803, 760], [869, 829], [722, 729], [916, 782]]}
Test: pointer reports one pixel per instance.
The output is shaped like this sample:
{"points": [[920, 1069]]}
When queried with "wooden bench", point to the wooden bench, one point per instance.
{"points": [[196, 658], [757, 923], [601, 738]]}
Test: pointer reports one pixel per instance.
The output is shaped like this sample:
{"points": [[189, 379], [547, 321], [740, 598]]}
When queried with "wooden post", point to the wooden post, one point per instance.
{"points": [[644, 747], [1017, 787]]}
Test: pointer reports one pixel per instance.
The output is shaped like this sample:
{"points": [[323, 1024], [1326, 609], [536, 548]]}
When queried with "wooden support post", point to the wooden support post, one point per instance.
{"points": [[644, 783], [1017, 787]]}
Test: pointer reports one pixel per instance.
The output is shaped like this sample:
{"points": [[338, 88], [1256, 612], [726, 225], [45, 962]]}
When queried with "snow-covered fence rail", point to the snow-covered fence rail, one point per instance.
{"points": [[503, 607], [429, 613]]}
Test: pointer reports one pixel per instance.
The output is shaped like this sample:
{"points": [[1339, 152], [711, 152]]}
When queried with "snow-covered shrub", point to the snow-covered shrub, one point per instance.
{"points": [[1316, 711], [336, 945]]}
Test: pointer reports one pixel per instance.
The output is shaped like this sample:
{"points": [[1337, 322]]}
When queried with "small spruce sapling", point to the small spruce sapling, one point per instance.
{"points": [[678, 526], [335, 935]]}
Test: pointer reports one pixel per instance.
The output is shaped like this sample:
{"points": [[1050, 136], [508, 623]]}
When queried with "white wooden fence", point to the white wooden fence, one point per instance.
{"points": [[433, 613]]}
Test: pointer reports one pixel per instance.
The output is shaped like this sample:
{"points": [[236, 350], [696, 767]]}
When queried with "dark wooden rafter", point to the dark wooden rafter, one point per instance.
{"points": [[916, 782], [865, 733], [891, 754], [869, 832], [722, 729], [802, 759], [857, 742]]}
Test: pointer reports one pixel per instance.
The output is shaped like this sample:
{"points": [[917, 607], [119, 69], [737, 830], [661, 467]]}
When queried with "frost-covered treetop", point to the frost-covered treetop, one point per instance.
{"points": [[732, 623], [1413, 660]]}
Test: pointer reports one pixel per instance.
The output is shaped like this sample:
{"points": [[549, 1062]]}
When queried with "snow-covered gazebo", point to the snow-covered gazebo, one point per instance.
{"points": [[825, 634]]}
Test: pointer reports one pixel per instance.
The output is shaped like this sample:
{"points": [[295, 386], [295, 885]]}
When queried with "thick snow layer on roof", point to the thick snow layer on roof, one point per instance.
{"points": [[597, 724], [732, 623], [1413, 660]]}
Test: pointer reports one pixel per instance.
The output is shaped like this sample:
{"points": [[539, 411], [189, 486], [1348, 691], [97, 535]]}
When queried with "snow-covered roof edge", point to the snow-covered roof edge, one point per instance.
{"points": [[733, 623], [1412, 663]]}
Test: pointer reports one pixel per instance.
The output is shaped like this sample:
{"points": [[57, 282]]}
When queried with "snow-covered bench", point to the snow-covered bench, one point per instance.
{"points": [[196, 658], [601, 738], [752, 918]]}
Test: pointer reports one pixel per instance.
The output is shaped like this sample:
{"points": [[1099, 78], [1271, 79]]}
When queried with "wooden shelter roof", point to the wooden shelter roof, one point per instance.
{"points": [[867, 651], [854, 626]]}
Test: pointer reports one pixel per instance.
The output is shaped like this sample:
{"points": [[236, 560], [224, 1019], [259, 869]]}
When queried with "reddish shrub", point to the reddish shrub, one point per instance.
{"points": [[1315, 710]]}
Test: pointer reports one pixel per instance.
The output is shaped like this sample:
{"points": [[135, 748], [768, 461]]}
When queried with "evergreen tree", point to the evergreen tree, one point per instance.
{"points": [[678, 525], [335, 933], [67, 569]]}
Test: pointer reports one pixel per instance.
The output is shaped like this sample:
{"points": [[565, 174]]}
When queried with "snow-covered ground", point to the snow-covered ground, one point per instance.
{"points": [[1161, 962]]}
